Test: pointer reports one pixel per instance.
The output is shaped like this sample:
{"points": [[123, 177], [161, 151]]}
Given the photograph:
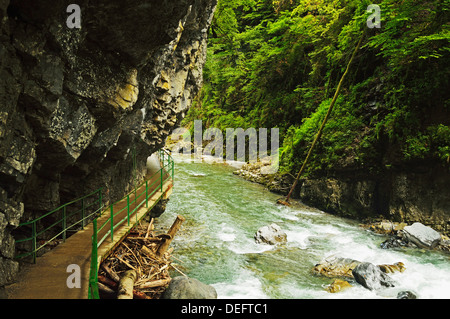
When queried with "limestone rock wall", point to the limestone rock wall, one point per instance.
{"points": [[75, 103], [419, 194]]}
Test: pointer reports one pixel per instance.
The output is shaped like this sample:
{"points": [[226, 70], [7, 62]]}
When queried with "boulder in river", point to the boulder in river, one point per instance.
{"points": [[444, 245], [272, 235], [188, 288], [385, 227], [338, 285], [406, 295], [395, 242], [371, 276], [397, 267], [336, 267], [421, 235]]}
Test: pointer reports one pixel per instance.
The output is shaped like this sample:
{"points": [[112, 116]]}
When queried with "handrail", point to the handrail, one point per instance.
{"points": [[62, 221], [57, 209], [166, 173]]}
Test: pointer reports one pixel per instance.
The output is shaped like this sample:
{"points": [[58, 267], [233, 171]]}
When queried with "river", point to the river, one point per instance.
{"points": [[216, 244]]}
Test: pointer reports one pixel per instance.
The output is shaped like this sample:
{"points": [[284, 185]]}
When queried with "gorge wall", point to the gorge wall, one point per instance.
{"points": [[419, 195], [414, 193], [76, 102]]}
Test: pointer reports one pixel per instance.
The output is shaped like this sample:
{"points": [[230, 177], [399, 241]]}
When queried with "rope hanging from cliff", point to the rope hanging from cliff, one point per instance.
{"points": [[319, 133]]}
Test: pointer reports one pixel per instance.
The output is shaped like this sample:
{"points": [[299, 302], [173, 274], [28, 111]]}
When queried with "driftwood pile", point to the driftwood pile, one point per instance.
{"points": [[139, 267]]}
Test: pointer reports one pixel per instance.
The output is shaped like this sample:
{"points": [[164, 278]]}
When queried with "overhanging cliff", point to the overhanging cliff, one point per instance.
{"points": [[76, 102]]}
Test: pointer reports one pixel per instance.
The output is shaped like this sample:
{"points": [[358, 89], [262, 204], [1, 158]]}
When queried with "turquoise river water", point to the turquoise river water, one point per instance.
{"points": [[216, 244]]}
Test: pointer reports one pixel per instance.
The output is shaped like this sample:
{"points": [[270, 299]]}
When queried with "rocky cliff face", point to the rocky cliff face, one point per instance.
{"points": [[419, 194], [75, 103]]}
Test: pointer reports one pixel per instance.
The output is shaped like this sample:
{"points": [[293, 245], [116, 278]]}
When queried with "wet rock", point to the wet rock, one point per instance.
{"points": [[385, 227], [397, 267], [371, 276], [406, 295], [271, 235], [394, 242], [421, 235], [415, 236], [336, 267], [338, 285], [444, 245], [263, 172], [188, 288]]}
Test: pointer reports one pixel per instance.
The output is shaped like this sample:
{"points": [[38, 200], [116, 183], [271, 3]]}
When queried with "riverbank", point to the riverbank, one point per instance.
{"points": [[397, 196]]}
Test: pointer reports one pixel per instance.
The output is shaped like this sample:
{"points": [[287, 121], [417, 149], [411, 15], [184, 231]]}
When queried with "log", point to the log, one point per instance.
{"points": [[172, 231], [106, 290], [155, 283], [173, 266], [107, 282], [149, 228], [110, 273], [126, 284], [109, 286], [147, 251], [125, 262], [140, 295], [164, 236], [150, 239]]}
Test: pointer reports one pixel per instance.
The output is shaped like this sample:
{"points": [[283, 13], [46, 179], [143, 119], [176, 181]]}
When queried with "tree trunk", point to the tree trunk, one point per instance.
{"points": [[172, 231], [319, 133], [155, 283], [126, 285]]}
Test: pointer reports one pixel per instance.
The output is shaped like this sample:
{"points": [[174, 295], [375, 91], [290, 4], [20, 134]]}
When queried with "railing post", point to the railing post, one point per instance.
{"points": [[94, 236], [112, 222], [64, 223], [93, 286]]}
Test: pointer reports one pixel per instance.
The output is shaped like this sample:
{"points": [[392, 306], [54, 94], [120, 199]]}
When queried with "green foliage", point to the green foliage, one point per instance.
{"points": [[434, 142], [277, 64]]}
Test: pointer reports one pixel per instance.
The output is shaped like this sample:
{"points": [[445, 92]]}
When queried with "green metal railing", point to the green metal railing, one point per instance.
{"points": [[78, 213], [134, 201], [85, 207]]}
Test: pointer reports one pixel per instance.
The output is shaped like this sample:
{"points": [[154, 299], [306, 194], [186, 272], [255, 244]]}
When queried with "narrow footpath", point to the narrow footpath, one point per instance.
{"points": [[47, 279]]}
